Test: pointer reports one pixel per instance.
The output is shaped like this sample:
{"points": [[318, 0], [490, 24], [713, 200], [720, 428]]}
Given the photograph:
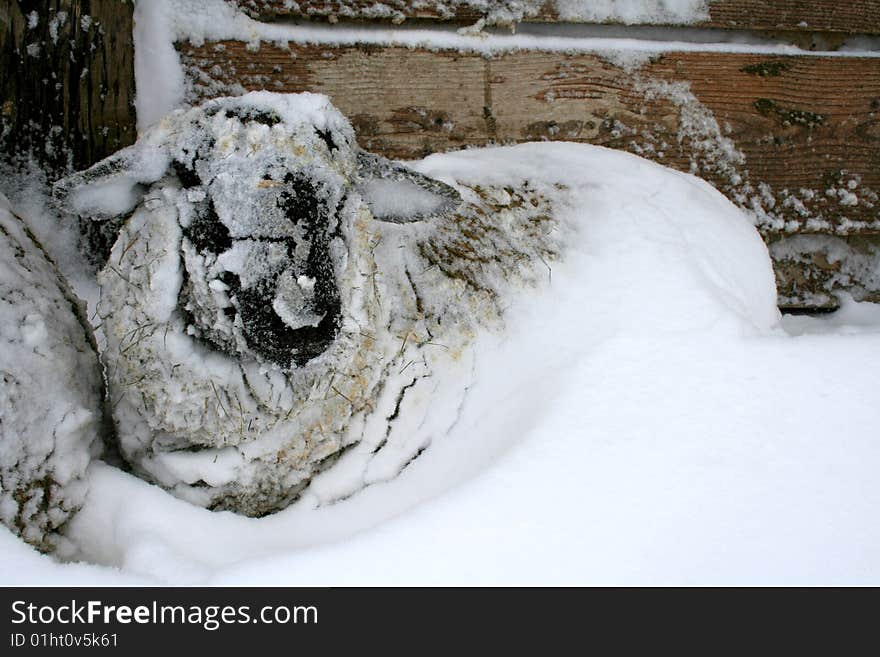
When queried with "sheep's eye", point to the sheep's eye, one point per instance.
{"points": [[327, 138]]}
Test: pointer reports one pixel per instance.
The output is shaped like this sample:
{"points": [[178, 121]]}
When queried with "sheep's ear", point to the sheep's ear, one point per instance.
{"points": [[113, 186], [399, 195]]}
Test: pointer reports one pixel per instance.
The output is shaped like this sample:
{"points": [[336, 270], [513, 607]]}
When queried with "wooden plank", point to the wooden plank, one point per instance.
{"points": [[807, 123], [854, 17], [67, 83], [402, 119], [796, 139]]}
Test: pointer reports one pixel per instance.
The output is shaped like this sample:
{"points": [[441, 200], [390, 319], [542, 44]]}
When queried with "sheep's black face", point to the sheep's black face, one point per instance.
{"points": [[259, 185], [287, 305], [266, 327], [260, 238]]}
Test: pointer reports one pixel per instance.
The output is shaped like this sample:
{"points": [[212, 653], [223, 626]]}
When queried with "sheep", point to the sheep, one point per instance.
{"points": [[51, 400], [277, 300]]}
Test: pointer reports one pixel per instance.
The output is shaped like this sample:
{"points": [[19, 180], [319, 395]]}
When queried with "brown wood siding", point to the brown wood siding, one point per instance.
{"points": [[804, 125]]}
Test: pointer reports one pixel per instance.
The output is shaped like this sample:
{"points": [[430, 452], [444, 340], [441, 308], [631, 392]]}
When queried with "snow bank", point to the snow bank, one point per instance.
{"points": [[50, 391], [642, 420]]}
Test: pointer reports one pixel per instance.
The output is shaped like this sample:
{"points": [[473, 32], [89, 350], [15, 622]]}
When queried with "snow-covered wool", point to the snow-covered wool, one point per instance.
{"points": [[50, 391], [277, 296]]}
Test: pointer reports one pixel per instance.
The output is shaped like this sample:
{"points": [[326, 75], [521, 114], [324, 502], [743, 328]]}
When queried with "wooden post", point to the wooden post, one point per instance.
{"points": [[67, 81]]}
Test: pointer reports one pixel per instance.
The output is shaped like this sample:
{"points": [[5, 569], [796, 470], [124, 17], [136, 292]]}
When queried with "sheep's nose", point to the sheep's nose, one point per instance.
{"points": [[294, 300], [284, 325]]}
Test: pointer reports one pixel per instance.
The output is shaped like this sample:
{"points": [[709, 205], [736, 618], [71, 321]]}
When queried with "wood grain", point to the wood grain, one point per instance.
{"points": [[856, 16], [795, 139], [67, 82]]}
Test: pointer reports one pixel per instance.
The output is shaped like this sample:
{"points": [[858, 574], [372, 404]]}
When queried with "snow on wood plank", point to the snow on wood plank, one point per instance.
{"points": [[795, 139], [858, 16], [812, 270]]}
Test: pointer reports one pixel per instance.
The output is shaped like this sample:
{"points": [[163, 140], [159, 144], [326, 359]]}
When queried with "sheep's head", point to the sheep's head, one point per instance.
{"points": [[260, 309], [265, 186]]}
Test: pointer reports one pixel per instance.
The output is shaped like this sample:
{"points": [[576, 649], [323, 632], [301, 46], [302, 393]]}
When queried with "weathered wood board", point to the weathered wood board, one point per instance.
{"points": [[785, 123], [854, 17], [794, 139], [67, 80]]}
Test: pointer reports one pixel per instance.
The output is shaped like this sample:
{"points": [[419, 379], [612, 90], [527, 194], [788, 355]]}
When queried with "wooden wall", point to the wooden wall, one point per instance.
{"points": [[799, 122], [855, 16]]}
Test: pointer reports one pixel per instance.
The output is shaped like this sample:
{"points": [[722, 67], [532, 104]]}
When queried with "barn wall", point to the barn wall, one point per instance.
{"points": [[855, 16]]}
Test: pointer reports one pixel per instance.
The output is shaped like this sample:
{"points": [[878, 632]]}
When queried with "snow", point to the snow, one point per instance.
{"points": [[853, 318], [393, 198], [634, 11], [504, 12], [501, 12], [158, 74], [853, 266], [645, 417], [55, 22]]}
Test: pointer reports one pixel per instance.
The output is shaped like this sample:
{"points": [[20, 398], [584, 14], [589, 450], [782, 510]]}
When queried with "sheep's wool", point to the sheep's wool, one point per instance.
{"points": [[262, 315], [50, 392]]}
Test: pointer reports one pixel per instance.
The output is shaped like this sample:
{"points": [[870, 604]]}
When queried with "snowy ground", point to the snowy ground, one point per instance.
{"points": [[647, 418]]}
